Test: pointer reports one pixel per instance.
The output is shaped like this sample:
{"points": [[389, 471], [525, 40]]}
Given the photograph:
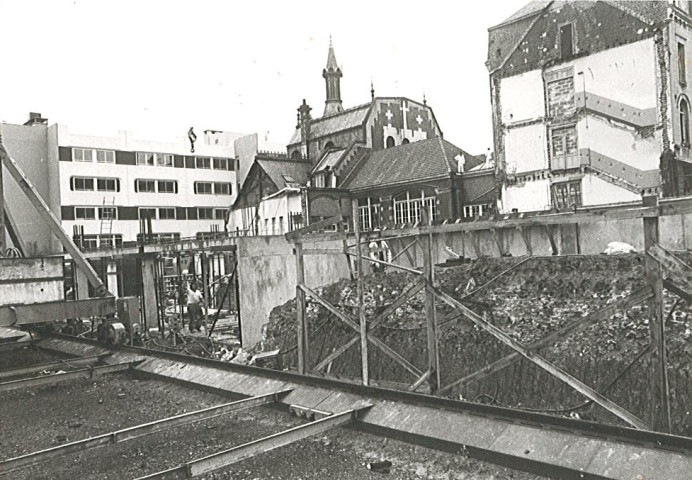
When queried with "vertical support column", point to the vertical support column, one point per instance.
{"points": [[660, 405], [361, 307], [149, 288], [204, 262], [301, 311], [431, 317], [2, 211]]}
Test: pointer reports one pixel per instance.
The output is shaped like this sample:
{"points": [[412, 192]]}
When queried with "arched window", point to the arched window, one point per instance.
{"points": [[684, 122], [329, 145], [295, 154], [406, 141], [390, 142]]}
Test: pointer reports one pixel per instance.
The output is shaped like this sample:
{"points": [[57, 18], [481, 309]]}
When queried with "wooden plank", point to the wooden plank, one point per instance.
{"points": [[677, 271], [359, 291], [660, 403], [313, 227], [604, 313], [551, 238], [2, 210], [137, 431], [401, 300], [526, 236], [371, 338], [497, 235], [541, 362], [50, 311], [430, 313], [388, 264], [322, 251], [405, 249], [671, 287], [52, 222], [301, 312], [415, 385]]}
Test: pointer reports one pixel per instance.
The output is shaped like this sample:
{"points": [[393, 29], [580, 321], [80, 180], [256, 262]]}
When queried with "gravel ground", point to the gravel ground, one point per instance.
{"points": [[42, 417]]}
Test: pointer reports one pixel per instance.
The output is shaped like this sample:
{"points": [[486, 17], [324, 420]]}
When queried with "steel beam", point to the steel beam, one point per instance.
{"points": [[68, 362], [139, 431], [228, 457], [12, 315], [62, 377]]}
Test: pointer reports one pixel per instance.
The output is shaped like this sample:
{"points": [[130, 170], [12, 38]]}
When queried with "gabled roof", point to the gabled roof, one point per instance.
{"points": [[413, 162], [329, 159], [285, 172], [351, 118]]}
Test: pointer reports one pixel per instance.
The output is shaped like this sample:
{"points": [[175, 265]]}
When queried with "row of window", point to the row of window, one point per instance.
{"points": [[143, 185], [151, 159], [155, 213]]}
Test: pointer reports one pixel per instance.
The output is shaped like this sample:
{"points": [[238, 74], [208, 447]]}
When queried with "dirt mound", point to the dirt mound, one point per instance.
{"points": [[535, 297]]}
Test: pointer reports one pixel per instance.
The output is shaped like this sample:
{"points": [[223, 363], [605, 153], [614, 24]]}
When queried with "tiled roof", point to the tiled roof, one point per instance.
{"points": [[330, 159], [412, 162], [286, 173], [529, 9], [345, 120]]}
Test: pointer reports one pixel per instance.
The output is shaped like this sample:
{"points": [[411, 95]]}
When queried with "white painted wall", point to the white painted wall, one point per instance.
{"points": [[595, 191], [521, 97], [525, 149], [620, 143], [526, 197], [626, 74]]}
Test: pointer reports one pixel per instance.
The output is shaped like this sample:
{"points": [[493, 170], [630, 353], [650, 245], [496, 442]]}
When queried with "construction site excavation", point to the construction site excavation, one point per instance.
{"points": [[368, 300]]}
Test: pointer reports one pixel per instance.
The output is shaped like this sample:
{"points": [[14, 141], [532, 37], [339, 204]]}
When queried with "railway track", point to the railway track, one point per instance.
{"points": [[548, 445]]}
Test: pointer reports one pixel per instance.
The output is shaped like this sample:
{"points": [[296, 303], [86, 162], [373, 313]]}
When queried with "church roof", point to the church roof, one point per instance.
{"points": [[413, 162], [319, 127], [330, 159], [284, 172]]}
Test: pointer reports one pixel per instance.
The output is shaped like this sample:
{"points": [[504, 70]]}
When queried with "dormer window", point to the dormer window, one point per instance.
{"points": [[567, 40]]}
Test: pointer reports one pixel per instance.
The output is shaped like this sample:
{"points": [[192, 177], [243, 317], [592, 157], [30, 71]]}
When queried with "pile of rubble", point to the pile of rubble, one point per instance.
{"points": [[534, 298]]}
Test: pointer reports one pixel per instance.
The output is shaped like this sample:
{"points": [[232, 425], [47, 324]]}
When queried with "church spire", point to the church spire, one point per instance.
{"points": [[332, 77]]}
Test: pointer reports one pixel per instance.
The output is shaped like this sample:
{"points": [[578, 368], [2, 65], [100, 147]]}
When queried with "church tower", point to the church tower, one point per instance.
{"points": [[332, 77]]}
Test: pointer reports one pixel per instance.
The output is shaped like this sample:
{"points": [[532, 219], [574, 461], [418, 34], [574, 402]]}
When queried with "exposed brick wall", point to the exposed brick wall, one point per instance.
{"points": [[561, 98]]}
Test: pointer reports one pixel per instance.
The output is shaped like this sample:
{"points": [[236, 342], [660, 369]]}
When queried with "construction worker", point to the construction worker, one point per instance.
{"points": [[195, 302]]}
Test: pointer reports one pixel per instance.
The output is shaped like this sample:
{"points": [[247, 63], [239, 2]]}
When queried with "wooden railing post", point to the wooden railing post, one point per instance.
{"points": [[359, 286], [660, 405], [301, 311], [430, 314]]}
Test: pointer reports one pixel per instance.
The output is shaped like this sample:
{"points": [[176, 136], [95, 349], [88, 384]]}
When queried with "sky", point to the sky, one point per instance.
{"points": [[158, 67]]}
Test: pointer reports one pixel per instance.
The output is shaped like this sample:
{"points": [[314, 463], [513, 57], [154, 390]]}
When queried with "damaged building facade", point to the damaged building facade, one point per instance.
{"points": [[591, 103], [389, 154]]}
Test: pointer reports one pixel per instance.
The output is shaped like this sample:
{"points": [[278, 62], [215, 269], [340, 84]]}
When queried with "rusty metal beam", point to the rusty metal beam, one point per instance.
{"points": [[131, 433], [49, 311], [67, 363], [573, 382], [63, 377], [228, 457]]}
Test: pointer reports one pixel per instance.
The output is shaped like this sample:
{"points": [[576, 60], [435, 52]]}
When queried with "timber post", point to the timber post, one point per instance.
{"points": [[301, 310], [430, 314], [660, 404], [359, 286]]}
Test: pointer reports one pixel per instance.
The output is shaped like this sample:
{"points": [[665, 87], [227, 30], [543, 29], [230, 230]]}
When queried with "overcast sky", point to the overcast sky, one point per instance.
{"points": [[159, 67]]}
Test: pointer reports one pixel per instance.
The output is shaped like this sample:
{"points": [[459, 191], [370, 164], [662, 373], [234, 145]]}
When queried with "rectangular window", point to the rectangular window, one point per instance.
{"points": [[167, 213], [281, 225], [87, 242], [565, 154], [566, 40], [147, 212], [567, 195], [220, 164], [203, 162], [81, 184], [203, 188], [164, 160], [108, 213], [145, 186], [222, 188], [205, 213], [220, 213], [105, 156], [84, 213], [682, 64], [475, 211], [107, 184], [168, 186], [82, 155], [408, 207], [147, 159]]}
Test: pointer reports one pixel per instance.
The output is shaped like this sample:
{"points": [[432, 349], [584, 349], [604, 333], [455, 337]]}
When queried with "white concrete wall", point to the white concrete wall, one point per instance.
{"points": [[521, 97], [595, 191], [525, 149], [620, 143], [526, 197], [626, 74]]}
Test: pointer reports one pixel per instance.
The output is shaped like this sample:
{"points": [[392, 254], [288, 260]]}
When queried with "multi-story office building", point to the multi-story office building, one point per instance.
{"points": [[105, 189]]}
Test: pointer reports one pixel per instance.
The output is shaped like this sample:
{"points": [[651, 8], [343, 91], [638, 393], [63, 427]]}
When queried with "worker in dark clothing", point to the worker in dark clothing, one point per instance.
{"points": [[195, 302]]}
